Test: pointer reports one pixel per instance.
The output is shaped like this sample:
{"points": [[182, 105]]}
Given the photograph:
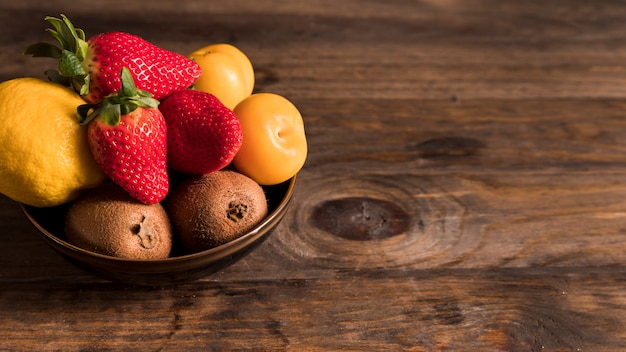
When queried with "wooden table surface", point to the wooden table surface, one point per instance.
{"points": [[465, 187]]}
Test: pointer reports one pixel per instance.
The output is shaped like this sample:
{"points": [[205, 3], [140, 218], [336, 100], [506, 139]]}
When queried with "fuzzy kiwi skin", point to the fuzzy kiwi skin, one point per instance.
{"points": [[212, 209], [107, 220]]}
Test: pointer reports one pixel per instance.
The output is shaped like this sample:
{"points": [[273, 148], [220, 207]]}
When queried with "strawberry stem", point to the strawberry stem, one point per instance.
{"points": [[114, 106], [71, 54]]}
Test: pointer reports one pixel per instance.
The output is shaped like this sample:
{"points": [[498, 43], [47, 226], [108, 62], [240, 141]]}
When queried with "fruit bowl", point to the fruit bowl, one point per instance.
{"points": [[179, 267]]}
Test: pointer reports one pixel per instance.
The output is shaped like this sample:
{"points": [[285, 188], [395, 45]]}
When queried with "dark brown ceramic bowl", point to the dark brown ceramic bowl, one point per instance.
{"points": [[175, 269]]}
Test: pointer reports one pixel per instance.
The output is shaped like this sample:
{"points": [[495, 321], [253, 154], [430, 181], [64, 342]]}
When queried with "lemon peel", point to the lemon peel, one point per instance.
{"points": [[44, 154]]}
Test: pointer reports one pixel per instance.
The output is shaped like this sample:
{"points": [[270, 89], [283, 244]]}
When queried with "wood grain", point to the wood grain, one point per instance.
{"points": [[464, 189], [504, 310]]}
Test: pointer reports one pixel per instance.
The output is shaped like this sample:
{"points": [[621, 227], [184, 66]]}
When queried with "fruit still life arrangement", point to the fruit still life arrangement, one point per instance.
{"points": [[143, 146]]}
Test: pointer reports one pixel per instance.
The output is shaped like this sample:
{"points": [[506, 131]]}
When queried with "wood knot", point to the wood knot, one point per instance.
{"points": [[361, 219]]}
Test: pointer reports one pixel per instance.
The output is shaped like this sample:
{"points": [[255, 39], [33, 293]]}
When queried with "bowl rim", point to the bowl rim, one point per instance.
{"points": [[270, 218]]}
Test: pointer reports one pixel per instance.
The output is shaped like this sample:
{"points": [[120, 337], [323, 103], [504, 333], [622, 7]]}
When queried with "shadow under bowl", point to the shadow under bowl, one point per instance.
{"points": [[178, 267]]}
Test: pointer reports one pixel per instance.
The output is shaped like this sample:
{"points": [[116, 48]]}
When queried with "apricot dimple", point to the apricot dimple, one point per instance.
{"points": [[274, 144]]}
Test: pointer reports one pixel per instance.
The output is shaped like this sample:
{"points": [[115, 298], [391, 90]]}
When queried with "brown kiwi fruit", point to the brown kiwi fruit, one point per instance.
{"points": [[107, 220], [209, 210]]}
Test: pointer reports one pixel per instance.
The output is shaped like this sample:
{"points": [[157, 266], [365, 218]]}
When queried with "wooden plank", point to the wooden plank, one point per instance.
{"points": [[496, 310], [400, 50]]}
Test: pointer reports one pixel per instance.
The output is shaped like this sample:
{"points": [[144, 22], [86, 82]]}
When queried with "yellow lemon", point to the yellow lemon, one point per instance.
{"points": [[44, 154]]}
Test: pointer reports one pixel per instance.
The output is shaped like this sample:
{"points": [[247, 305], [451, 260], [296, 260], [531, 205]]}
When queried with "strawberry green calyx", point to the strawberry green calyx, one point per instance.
{"points": [[114, 106], [71, 53]]}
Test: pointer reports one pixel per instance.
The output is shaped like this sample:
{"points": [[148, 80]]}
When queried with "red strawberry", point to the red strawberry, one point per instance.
{"points": [[128, 139], [92, 67], [203, 135]]}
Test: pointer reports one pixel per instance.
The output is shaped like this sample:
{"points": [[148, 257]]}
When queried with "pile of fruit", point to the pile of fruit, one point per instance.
{"points": [[119, 119]]}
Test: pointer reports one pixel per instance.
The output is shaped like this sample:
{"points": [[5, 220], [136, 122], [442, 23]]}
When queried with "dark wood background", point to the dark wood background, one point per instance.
{"points": [[465, 187]]}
